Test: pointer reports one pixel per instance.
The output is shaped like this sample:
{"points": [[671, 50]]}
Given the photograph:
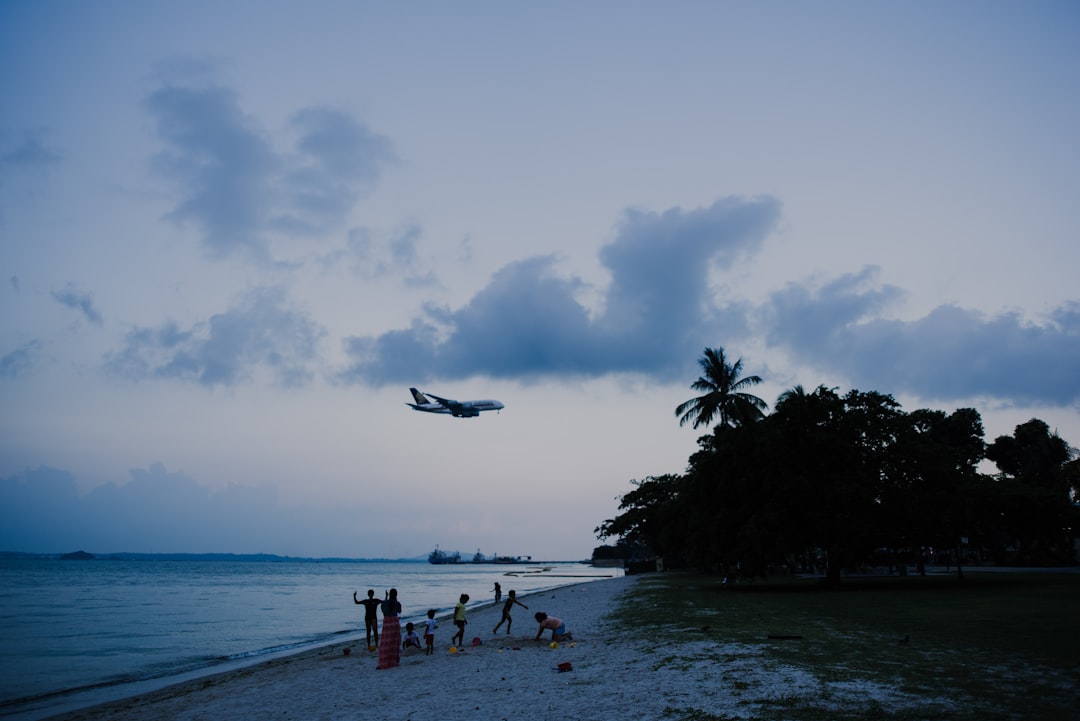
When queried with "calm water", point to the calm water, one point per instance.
{"points": [[79, 632]]}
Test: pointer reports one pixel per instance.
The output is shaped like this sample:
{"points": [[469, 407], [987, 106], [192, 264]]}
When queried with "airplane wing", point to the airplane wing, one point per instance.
{"points": [[446, 401], [456, 408]]}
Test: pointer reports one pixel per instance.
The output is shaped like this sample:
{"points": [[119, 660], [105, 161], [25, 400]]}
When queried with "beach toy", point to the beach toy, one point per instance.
{"points": [[565, 666], [453, 649], [373, 648], [346, 651], [554, 644], [476, 641]]}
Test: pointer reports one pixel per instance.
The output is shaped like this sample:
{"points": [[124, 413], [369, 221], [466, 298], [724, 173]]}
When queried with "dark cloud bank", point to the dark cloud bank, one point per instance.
{"points": [[528, 322], [656, 316], [156, 511], [950, 354], [657, 312]]}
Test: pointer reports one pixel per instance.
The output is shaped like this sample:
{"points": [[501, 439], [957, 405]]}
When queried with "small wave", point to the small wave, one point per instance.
{"points": [[286, 647]]}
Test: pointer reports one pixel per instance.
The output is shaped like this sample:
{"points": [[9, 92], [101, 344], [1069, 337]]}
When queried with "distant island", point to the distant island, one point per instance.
{"points": [[254, 557], [251, 557]]}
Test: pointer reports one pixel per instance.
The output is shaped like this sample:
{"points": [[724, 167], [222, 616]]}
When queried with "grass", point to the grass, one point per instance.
{"points": [[993, 646]]}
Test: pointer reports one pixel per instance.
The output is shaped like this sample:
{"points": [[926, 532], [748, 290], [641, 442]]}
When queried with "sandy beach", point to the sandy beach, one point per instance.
{"points": [[507, 677], [617, 673]]}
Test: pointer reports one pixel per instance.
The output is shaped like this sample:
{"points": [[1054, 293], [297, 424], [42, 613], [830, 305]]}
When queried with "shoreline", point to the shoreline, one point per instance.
{"points": [[296, 622], [289, 682], [618, 672]]}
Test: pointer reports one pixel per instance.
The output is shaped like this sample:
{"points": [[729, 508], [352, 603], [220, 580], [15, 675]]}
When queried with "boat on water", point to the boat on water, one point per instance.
{"points": [[496, 558], [441, 557]]}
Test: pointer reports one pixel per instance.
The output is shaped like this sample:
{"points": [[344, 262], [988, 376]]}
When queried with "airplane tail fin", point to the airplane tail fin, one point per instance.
{"points": [[419, 397]]}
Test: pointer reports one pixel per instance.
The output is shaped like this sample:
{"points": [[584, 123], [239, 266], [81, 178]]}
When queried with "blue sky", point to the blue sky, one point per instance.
{"points": [[233, 234]]}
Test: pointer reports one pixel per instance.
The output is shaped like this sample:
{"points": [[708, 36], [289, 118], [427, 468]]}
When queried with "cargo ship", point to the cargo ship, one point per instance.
{"points": [[440, 557]]}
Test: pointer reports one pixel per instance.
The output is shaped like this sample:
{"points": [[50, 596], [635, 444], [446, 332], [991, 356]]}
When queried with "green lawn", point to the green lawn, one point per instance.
{"points": [[993, 646]]}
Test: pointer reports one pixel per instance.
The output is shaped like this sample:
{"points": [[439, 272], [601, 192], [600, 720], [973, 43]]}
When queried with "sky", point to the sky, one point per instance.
{"points": [[233, 234]]}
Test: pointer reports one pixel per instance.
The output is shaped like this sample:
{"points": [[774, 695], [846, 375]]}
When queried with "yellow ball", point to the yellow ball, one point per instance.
{"points": [[554, 644], [453, 649], [372, 648]]}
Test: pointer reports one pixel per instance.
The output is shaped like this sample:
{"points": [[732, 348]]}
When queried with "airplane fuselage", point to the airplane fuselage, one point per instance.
{"points": [[458, 409]]}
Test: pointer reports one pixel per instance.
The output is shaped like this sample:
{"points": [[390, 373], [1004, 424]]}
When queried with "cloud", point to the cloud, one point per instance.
{"points": [[222, 163], [260, 332], [950, 354], [29, 150], [338, 161], [528, 322], [162, 511], [239, 190], [19, 361], [370, 256], [81, 301], [156, 510], [799, 316]]}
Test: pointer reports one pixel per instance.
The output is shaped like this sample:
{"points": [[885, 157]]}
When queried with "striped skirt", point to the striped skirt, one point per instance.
{"points": [[390, 642]]}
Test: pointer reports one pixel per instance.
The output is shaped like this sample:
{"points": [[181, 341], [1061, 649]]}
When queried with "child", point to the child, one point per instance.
{"points": [[558, 628], [511, 599], [459, 620], [498, 592], [429, 632], [411, 639]]}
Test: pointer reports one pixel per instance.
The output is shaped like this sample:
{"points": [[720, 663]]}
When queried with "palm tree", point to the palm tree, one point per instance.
{"points": [[724, 394]]}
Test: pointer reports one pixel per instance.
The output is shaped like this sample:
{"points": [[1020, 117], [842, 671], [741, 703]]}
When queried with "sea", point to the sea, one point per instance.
{"points": [[75, 633]]}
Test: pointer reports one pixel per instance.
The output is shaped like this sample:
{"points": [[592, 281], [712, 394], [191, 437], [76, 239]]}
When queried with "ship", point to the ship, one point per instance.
{"points": [[496, 558], [442, 557]]}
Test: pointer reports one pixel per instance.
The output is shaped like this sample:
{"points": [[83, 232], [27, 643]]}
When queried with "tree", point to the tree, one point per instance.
{"points": [[1034, 481], [930, 498], [650, 517], [725, 394]]}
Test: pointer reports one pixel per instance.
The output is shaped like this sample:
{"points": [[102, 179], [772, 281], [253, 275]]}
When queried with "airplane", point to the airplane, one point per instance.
{"points": [[458, 409]]}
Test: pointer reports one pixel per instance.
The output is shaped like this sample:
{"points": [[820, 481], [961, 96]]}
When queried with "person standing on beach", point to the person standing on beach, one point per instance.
{"points": [[459, 620], [390, 643], [429, 632], [371, 620], [558, 628], [498, 592], [511, 599]]}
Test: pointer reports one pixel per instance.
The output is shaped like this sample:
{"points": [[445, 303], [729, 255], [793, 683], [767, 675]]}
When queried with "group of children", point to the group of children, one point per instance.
{"points": [[411, 639], [392, 608]]}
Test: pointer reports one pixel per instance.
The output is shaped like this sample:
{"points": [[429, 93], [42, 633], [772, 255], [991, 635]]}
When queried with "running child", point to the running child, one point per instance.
{"points": [[511, 599]]}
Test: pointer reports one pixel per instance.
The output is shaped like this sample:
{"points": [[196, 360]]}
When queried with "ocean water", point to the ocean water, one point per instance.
{"points": [[74, 633]]}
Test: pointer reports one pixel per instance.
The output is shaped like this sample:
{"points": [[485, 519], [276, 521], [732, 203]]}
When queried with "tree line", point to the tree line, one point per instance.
{"points": [[836, 482]]}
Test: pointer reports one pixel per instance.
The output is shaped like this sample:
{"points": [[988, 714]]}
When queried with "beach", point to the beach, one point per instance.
{"points": [[506, 677], [618, 673]]}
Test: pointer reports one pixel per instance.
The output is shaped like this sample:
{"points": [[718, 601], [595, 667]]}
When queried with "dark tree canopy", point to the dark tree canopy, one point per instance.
{"points": [[834, 482]]}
